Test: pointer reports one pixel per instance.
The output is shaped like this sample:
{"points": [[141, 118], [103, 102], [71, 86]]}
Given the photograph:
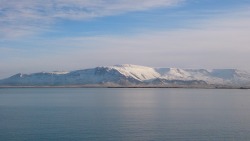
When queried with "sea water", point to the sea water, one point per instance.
{"points": [[124, 114]]}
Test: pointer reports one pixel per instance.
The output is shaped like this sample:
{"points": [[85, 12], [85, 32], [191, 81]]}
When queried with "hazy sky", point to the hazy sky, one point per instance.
{"points": [[48, 35]]}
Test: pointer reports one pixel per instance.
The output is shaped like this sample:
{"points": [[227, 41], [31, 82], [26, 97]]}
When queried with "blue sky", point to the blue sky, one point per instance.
{"points": [[45, 35]]}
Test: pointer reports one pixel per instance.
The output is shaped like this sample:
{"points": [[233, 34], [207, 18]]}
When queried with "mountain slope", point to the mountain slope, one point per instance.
{"points": [[132, 76]]}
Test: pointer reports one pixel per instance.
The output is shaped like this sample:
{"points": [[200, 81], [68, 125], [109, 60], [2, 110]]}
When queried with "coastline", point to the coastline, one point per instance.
{"points": [[132, 87]]}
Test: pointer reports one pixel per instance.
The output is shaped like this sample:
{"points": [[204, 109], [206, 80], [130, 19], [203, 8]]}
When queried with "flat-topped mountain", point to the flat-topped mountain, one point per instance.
{"points": [[128, 75]]}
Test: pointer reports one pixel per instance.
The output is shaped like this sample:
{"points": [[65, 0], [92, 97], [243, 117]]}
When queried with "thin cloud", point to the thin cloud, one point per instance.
{"points": [[217, 43], [22, 18]]}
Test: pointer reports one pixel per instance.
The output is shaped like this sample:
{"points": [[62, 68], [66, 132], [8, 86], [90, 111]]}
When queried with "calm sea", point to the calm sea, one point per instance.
{"points": [[106, 114]]}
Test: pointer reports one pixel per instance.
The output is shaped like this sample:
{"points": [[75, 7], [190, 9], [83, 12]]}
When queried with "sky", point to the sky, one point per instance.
{"points": [[65, 35]]}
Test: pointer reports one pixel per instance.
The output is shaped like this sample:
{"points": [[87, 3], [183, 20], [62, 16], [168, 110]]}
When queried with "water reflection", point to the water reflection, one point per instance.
{"points": [[124, 114]]}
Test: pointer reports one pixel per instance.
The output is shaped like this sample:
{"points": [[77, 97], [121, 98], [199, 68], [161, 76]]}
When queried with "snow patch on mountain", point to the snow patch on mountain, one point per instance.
{"points": [[140, 73], [131, 75]]}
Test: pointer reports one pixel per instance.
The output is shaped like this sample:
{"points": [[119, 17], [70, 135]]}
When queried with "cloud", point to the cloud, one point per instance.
{"points": [[219, 43], [26, 17], [222, 42]]}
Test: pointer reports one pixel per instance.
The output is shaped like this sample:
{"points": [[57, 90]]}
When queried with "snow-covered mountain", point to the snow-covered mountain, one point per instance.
{"points": [[135, 76]]}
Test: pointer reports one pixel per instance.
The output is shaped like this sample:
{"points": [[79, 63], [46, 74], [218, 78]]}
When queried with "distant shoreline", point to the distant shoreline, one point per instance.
{"points": [[121, 87]]}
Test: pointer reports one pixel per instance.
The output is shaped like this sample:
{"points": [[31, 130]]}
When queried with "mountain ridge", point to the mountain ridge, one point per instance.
{"points": [[128, 75]]}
